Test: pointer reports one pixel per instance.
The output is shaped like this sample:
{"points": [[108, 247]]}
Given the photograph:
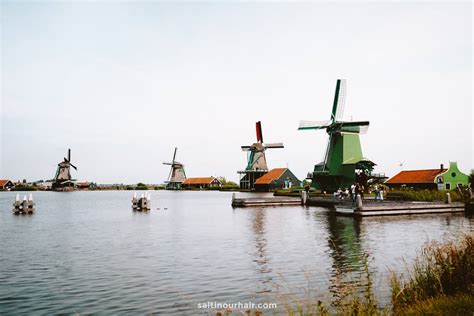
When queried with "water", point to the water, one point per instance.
{"points": [[87, 252]]}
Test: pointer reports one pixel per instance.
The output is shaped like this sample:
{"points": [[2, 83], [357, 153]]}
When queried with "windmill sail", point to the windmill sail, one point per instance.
{"points": [[313, 124], [339, 100]]}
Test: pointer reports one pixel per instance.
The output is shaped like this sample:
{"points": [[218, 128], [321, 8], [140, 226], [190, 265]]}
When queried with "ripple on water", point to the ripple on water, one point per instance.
{"points": [[87, 252]]}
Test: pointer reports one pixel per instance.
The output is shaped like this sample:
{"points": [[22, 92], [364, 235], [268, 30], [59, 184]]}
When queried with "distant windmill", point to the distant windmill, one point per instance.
{"points": [[177, 175], [343, 154], [256, 161], [62, 178], [256, 152]]}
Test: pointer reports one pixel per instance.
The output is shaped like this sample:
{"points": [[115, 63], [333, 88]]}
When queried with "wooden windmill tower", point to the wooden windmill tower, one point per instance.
{"points": [[177, 175], [343, 163], [256, 161], [62, 179]]}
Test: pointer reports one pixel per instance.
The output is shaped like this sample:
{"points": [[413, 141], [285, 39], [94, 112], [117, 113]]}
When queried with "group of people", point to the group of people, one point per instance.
{"points": [[351, 192], [358, 189]]}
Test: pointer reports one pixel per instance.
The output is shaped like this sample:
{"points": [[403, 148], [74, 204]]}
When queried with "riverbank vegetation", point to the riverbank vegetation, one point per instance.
{"points": [[425, 195], [440, 282]]}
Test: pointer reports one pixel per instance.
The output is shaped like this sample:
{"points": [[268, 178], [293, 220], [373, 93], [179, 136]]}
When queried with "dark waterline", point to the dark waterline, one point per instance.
{"points": [[87, 252]]}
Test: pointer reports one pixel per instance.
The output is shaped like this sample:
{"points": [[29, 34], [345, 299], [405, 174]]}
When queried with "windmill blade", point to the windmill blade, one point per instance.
{"points": [[168, 163], [339, 100], [313, 124], [274, 145], [174, 155], [69, 154], [246, 148], [169, 175], [73, 166], [354, 129], [258, 126], [355, 123], [360, 127], [65, 159]]}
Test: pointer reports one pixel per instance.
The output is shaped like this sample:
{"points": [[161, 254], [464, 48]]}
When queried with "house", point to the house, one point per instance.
{"points": [[278, 178], [201, 183], [431, 179], [6, 184], [83, 185]]}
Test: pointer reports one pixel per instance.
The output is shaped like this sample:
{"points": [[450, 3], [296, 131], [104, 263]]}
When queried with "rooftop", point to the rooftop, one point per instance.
{"points": [[272, 175], [207, 180], [415, 176], [3, 182]]}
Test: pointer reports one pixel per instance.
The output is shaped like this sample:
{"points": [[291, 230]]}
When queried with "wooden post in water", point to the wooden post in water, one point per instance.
{"points": [[26, 206], [358, 201], [304, 197], [447, 199]]}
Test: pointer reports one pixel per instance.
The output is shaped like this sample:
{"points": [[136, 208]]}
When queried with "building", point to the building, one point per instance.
{"points": [[431, 179], [278, 178], [201, 183], [6, 184], [83, 185]]}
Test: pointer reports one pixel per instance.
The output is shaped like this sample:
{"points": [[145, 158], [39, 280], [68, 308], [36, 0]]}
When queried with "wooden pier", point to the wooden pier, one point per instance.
{"points": [[361, 208], [398, 208], [264, 201], [383, 208]]}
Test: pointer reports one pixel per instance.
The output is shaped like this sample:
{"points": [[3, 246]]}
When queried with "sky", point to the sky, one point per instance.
{"points": [[123, 83]]}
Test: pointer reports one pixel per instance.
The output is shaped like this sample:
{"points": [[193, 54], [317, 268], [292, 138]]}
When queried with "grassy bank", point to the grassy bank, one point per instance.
{"points": [[441, 272], [440, 282], [425, 195]]}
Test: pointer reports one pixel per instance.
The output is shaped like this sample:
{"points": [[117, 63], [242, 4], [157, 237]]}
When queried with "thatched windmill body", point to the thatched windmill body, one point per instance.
{"points": [[177, 174], [63, 179]]}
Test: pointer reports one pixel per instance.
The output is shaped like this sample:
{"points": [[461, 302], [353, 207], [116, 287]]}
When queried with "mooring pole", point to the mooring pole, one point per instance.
{"points": [[304, 197], [358, 201], [447, 199]]}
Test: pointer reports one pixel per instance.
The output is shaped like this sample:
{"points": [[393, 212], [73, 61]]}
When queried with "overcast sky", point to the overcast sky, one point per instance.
{"points": [[122, 84]]}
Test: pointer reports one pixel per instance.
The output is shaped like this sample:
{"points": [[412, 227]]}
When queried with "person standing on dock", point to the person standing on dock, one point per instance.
{"points": [[377, 192], [353, 193], [307, 187]]}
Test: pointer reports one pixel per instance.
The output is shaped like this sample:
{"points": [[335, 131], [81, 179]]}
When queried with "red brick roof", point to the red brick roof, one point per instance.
{"points": [[198, 181], [3, 182], [415, 176], [272, 175]]}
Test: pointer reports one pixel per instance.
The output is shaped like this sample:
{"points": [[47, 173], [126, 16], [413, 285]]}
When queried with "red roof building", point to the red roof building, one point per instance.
{"points": [[6, 184], [277, 178], [418, 179], [206, 182]]}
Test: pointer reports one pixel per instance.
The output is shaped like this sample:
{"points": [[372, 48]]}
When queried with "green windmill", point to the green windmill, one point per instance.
{"points": [[343, 163]]}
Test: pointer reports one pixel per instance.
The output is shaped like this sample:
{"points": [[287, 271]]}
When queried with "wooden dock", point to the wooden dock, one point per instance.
{"points": [[383, 208], [366, 207], [264, 201]]}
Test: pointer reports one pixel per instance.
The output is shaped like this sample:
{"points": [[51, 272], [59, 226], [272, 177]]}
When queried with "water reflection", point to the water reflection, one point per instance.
{"points": [[260, 254], [345, 250]]}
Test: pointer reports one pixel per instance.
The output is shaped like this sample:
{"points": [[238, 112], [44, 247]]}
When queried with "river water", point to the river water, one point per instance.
{"points": [[88, 252]]}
